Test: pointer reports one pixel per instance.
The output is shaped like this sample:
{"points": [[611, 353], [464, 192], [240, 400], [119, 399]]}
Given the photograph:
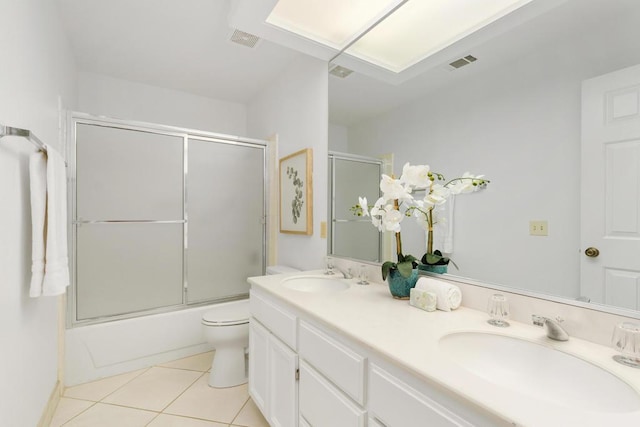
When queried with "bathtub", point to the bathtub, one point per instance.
{"points": [[102, 350]]}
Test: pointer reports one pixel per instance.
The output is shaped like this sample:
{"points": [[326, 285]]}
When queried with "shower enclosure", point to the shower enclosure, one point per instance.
{"points": [[351, 176], [162, 218]]}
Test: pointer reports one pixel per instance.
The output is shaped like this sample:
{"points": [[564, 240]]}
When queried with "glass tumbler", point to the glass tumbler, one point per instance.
{"points": [[329, 263], [626, 339], [363, 275], [498, 309]]}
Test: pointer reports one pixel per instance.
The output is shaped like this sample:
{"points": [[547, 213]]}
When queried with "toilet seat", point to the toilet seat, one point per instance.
{"points": [[227, 314]]}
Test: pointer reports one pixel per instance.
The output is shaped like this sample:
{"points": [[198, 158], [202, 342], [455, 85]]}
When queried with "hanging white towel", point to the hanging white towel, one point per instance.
{"points": [[443, 233], [447, 246], [38, 187], [56, 276]]}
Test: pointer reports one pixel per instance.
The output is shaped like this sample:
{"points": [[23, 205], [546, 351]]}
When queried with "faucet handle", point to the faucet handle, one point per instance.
{"points": [[537, 320], [552, 327]]}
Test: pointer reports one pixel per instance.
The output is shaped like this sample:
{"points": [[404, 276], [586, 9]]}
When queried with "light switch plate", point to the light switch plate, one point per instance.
{"points": [[323, 230]]}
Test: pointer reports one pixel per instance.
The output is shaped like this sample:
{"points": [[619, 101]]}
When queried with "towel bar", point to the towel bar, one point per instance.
{"points": [[11, 131]]}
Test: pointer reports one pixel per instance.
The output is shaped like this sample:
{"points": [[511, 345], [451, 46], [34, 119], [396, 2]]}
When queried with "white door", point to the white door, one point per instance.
{"points": [[610, 188]]}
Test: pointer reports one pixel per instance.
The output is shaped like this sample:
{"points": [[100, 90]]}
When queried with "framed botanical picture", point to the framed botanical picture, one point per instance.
{"points": [[296, 195]]}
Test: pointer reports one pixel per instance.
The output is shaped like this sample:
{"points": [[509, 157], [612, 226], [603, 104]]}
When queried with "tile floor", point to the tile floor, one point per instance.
{"points": [[174, 394]]}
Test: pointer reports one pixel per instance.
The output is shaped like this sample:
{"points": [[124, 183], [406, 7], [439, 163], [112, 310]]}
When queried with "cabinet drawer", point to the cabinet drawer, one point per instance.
{"points": [[397, 404], [338, 363], [278, 320], [322, 404]]}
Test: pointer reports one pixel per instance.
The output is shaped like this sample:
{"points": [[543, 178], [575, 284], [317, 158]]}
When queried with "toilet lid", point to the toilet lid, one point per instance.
{"points": [[233, 313]]}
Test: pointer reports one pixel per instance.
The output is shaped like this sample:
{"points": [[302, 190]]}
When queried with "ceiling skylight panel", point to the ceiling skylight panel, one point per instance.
{"points": [[334, 23], [421, 28]]}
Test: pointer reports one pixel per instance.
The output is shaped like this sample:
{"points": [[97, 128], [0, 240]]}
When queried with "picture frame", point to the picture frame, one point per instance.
{"points": [[296, 193]]}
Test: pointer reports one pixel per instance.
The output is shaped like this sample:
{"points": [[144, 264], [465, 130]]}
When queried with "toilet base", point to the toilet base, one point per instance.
{"points": [[228, 368]]}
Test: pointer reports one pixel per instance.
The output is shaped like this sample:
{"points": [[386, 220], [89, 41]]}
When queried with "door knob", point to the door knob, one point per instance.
{"points": [[592, 252]]}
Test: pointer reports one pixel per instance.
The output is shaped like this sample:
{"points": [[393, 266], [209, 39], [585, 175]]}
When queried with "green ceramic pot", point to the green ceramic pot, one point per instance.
{"points": [[440, 269], [400, 286]]}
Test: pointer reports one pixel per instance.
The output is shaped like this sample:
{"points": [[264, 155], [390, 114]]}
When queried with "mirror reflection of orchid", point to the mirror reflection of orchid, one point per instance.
{"points": [[398, 201], [298, 201]]}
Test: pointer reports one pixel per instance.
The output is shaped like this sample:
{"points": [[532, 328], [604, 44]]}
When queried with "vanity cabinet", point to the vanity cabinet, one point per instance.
{"points": [[340, 383], [323, 404], [273, 364], [337, 362], [395, 403]]}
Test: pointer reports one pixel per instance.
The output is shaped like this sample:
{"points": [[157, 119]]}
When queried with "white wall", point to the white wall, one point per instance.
{"points": [[338, 138], [102, 95], [521, 127], [37, 67], [295, 107]]}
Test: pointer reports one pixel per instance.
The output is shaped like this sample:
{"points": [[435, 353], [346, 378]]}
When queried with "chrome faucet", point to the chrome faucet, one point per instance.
{"points": [[347, 274], [552, 327]]}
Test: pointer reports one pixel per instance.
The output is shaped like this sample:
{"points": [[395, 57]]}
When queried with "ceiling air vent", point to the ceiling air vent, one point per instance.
{"points": [[340, 71], [245, 39], [458, 63]]}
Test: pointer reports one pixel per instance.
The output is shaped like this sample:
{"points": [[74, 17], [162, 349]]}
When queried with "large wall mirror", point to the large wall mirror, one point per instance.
{"points": [[514, 113]]}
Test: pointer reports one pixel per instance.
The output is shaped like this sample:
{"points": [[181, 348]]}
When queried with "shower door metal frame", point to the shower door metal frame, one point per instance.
{"points": [[333, 156], [77, 118]]}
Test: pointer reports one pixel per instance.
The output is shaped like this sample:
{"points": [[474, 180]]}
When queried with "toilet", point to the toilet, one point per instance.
{"points": [[226, 327]]}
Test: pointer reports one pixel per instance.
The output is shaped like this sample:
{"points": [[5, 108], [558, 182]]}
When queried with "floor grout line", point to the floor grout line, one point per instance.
{"points": [[241, 408], [144, 370], [120, 405], [157, 413], [79, 413], [182, 392]]}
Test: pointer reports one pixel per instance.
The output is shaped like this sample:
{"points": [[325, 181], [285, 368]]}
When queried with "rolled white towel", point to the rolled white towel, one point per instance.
{"points": [[448, 296]]}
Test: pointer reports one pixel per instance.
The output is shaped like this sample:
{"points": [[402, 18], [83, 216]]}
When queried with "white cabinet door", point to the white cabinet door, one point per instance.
{"points": [[322, 404], [259, 365], [340, 364], [272, 377], [283, 385], [399, 405]]}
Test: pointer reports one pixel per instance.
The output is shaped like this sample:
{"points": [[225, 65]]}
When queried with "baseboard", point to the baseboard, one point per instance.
{"points": [[52, 404]]}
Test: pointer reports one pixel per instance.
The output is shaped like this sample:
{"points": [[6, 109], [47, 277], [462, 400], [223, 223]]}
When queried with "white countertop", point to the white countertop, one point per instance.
{"points": [[408, 337]]}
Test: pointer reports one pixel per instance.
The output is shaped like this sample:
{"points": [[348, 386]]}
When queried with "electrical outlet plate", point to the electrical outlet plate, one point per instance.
{"points": [[538, 228]]}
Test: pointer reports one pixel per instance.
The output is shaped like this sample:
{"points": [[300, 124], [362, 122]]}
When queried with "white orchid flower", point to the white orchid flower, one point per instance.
{"points": [[438, 195], [379, 212], [362, 201], [397, 201], [377, 222], [377, 207], [393, 189], [392, 220], [466, 183], [416, 176]]}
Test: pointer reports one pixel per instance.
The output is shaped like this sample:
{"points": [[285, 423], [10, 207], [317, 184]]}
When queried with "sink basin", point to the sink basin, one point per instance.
{"points": [[317, 284], [539, 371]]}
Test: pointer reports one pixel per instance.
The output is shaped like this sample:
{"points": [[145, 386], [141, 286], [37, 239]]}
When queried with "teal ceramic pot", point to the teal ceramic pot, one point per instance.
{"points": [[400, 286], [440, 269]]}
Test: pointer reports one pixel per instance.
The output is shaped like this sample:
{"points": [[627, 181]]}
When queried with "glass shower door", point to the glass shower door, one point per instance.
{"points": [[129, 221], [351, 236], [226, 226], [163, 219]]}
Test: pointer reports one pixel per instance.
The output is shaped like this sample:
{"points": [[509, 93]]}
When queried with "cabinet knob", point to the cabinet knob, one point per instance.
{"points": [[592, 252]]}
